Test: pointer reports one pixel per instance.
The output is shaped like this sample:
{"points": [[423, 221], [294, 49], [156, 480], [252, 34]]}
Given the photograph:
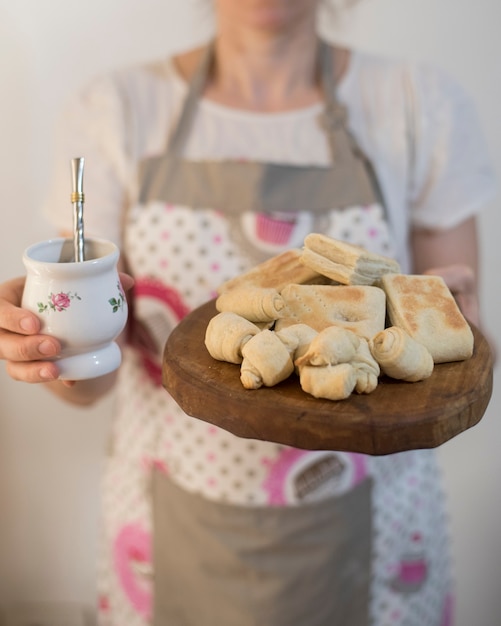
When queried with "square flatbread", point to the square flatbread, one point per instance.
{"points": [[424, 307], [359, 308]]}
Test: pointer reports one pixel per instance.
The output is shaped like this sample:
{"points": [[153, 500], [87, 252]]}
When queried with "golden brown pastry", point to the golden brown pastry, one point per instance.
{"points": [[343, 262], [424, 307], [367, 368], [226, 334], [361, 308], [331, 346], [256, 304], [297, 339], [400, 356], [332, 382], [277, 272], [266, 361]]}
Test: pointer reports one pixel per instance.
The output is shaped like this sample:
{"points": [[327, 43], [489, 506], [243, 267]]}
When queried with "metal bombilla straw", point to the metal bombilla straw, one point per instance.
{"points": [[77, 198]]}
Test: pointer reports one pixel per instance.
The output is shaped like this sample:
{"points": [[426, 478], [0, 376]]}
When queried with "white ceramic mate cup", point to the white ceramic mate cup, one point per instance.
{"points": [[80, 303]]}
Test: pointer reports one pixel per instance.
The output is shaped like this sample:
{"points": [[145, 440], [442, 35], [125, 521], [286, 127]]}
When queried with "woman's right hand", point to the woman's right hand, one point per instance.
{"points": [[22, 347]]}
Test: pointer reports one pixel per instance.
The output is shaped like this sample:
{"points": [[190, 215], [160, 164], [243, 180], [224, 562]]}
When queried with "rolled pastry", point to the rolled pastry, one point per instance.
{"points": [[333, 382], [266, 361], [400, 356], [367, 368], [331, 346], [226, 334], [297, 339], [256, 304]]}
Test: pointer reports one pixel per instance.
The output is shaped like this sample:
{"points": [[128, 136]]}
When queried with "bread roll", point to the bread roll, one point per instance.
{"points": [[226, 334], [266, 361], [332, 382], [400, 356], [256, 304], [331, 346], [366, 367], [297, 339]]}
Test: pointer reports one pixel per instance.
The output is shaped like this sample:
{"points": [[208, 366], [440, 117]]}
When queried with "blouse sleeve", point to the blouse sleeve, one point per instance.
{"points": [[94, 126], [451, 174]]}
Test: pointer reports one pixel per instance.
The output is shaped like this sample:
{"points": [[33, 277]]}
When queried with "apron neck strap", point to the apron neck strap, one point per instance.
{"points": [[334, 113]]}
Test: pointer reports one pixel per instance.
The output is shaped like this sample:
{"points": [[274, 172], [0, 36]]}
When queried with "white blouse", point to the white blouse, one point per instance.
{"points": [[415, 123]]}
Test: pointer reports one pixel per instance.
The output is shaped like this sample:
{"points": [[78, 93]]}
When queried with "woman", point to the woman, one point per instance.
{"points": [[201, 527]]}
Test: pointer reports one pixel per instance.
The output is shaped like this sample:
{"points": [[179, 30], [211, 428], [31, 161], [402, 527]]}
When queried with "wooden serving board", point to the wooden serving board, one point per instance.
{"points": [[396, 416]]}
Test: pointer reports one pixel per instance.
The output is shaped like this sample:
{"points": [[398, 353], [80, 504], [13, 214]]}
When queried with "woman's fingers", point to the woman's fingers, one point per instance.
{"points": [[32, 372], [16, 347], [21, 346], [12, 317]]}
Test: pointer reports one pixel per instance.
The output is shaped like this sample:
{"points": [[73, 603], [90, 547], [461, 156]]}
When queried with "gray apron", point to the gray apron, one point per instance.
{"points": [[225, 565]]}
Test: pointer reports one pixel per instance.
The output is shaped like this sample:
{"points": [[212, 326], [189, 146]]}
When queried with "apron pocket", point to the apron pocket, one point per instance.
{"points": [[217, 564]]}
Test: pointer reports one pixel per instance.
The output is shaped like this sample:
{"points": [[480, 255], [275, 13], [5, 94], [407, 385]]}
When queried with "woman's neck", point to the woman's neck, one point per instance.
{"points": [[265, 73]]}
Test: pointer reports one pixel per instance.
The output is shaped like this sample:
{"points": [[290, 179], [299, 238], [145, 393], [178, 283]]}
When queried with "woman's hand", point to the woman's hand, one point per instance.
{"points": [[22, 346]]}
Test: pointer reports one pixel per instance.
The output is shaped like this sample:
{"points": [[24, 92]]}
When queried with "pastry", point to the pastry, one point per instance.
{"points": [[360, 309], [266, 361], [343, 262], [226, 334], [424, 307], [400, 356], [331, 346], [277, 272], [366, 367], [256, 304], [332, 382]]}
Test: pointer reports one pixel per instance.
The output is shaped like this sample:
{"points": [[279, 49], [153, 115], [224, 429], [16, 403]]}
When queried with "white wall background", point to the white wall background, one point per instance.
{"points": [[49, 453]]}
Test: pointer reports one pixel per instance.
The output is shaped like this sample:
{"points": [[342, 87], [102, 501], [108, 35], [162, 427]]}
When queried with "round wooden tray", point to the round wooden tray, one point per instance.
{"points": [[396, 416]]}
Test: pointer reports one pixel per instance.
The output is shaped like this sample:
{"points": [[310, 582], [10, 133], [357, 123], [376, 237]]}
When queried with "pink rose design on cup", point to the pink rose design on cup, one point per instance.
{"points": [[58, 301]]}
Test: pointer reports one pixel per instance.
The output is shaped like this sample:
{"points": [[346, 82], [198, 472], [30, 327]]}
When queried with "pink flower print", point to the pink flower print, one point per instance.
{"points": [[132, 557], [58, 301]]}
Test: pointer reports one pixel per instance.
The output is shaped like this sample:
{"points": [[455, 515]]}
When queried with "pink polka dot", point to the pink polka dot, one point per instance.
{"points": [[164, 263], [372, 232], [103, 604], [211, 457], [165, 235], [169, 207], [215, 267], [217, 239], [211, 482], [395, 615], [212, 430]]}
